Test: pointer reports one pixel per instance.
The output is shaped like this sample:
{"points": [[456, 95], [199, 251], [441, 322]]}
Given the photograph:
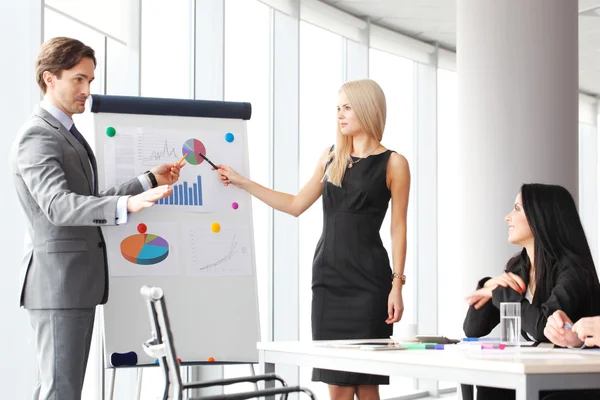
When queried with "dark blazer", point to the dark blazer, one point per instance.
{"points": [[574, 292]]}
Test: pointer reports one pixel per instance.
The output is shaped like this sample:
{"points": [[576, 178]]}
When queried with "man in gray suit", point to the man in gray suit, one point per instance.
{"points": [[64, 272]]}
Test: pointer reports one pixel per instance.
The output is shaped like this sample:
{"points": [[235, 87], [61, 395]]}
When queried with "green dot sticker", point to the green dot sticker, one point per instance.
{"points": [[110, 131]]}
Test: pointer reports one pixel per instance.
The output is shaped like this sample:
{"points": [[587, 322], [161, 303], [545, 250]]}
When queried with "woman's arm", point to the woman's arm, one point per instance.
{"points": [[284, 202], [570, 294], [398, 172], [480, 322], [398, 176]]}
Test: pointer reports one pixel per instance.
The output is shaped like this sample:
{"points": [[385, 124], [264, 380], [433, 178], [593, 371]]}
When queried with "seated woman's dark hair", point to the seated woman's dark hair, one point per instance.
{"points": [[558, 235]]}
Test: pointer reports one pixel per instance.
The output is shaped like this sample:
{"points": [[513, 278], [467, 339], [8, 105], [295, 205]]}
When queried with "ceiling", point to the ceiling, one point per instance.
{"points": [[435, 21]]}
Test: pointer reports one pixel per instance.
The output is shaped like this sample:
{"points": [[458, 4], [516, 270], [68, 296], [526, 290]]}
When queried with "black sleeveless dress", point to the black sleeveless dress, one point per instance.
{"points": [[352, 277]]}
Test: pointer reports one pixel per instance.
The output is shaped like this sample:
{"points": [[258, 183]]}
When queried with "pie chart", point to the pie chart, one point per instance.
{"points": [[191, 148], [144, 249]]}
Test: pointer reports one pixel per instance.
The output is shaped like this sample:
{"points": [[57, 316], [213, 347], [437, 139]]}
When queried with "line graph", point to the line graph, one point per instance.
{"points": [[226, 253], [156, 150], [232, 251]]}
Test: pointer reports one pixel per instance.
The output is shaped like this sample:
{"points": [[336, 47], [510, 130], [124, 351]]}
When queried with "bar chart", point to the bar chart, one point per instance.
{"points": [[185, 194]]}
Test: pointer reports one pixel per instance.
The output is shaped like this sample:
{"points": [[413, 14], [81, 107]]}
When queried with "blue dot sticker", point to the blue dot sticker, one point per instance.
{"points": [[229, 137]]}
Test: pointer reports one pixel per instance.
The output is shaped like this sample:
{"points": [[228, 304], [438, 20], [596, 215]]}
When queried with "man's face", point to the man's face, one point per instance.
{"points": [[70, 91]]}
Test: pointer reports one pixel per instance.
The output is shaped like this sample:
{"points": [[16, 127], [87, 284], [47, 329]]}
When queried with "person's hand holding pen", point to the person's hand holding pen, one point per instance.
{"points": [[588, 331], [559, 330], [168, 174], [228, 176]]}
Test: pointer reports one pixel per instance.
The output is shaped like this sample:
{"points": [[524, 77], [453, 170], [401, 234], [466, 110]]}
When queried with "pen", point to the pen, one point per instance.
{"points": [[569, 326], [493, 346], [415, 346], [208, 161], [482, 339], [434, 346], [182, 158], [423, 346]]}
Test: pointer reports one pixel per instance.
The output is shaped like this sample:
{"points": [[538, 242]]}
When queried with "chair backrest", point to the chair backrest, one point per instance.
{"points": [[161, 344]]}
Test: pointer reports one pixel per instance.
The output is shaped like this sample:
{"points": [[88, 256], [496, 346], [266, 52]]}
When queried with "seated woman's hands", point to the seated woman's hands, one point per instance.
{"points": [[588, 331], [481, 296], [557, 334]]}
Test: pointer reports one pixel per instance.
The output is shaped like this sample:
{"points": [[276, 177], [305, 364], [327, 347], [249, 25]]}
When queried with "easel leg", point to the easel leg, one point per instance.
{"points": [[253, 373], [111, 384], [140, 377], [103, 379]]}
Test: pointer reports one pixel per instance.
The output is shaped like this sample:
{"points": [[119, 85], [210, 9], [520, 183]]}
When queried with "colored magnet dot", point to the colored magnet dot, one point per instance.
{"points": [[211, 359], [110, 131], [215, 227], [229, 137], [179, 359], [142, 228], [235, 205], [156, 361]]}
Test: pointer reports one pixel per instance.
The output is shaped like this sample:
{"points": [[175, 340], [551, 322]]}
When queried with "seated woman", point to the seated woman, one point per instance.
{"points": [[554, 271]]}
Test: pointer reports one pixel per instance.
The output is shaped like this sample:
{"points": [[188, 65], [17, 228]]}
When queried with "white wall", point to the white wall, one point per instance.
{"points": [[588, 171], [20, 38], [517, 121]]}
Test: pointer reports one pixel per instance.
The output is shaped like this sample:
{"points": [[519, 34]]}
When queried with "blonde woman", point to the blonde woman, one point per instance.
{"points": [[355, 293]]}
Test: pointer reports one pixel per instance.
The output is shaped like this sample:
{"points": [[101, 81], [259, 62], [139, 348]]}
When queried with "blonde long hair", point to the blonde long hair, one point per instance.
{"points": [[368, 103]]}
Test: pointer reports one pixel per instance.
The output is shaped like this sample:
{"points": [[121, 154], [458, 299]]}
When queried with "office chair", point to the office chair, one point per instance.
{"points": [[161, 346]]}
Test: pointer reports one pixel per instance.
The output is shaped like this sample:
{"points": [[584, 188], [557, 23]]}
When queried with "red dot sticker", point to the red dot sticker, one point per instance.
{"points": [[142, 228]]}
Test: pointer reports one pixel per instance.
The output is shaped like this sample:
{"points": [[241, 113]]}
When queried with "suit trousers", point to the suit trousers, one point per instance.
{"points": [[62, 343]]}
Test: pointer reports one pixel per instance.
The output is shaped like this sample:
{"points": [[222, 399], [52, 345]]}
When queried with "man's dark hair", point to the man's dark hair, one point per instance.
{"points": [[59, 54]]}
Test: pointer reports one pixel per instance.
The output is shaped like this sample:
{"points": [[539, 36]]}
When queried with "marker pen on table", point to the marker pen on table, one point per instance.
{"points": [[423, 346], [489, 346]]}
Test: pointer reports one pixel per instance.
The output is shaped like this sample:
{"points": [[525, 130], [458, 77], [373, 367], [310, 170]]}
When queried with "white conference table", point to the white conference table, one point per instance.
{"points": [[528, 370]]}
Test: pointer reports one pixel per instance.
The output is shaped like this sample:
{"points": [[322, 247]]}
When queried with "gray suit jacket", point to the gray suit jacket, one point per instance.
{"points": [[65, 256]]}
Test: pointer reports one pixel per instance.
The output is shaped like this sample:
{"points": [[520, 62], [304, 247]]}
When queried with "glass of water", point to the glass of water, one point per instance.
{"points": [[510, 323]]}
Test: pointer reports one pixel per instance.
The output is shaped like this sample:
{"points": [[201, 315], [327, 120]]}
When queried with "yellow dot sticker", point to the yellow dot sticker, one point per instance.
{"points": [[215, 227]]}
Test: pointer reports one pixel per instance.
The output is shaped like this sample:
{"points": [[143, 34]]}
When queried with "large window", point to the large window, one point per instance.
{"points": [[320, 79], [247, 78], [167, 49], [450, 313], [395, 75]]}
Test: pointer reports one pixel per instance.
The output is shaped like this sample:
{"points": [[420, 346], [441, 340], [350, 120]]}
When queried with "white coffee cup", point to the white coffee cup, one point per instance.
{"points": [[406, 330]]}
